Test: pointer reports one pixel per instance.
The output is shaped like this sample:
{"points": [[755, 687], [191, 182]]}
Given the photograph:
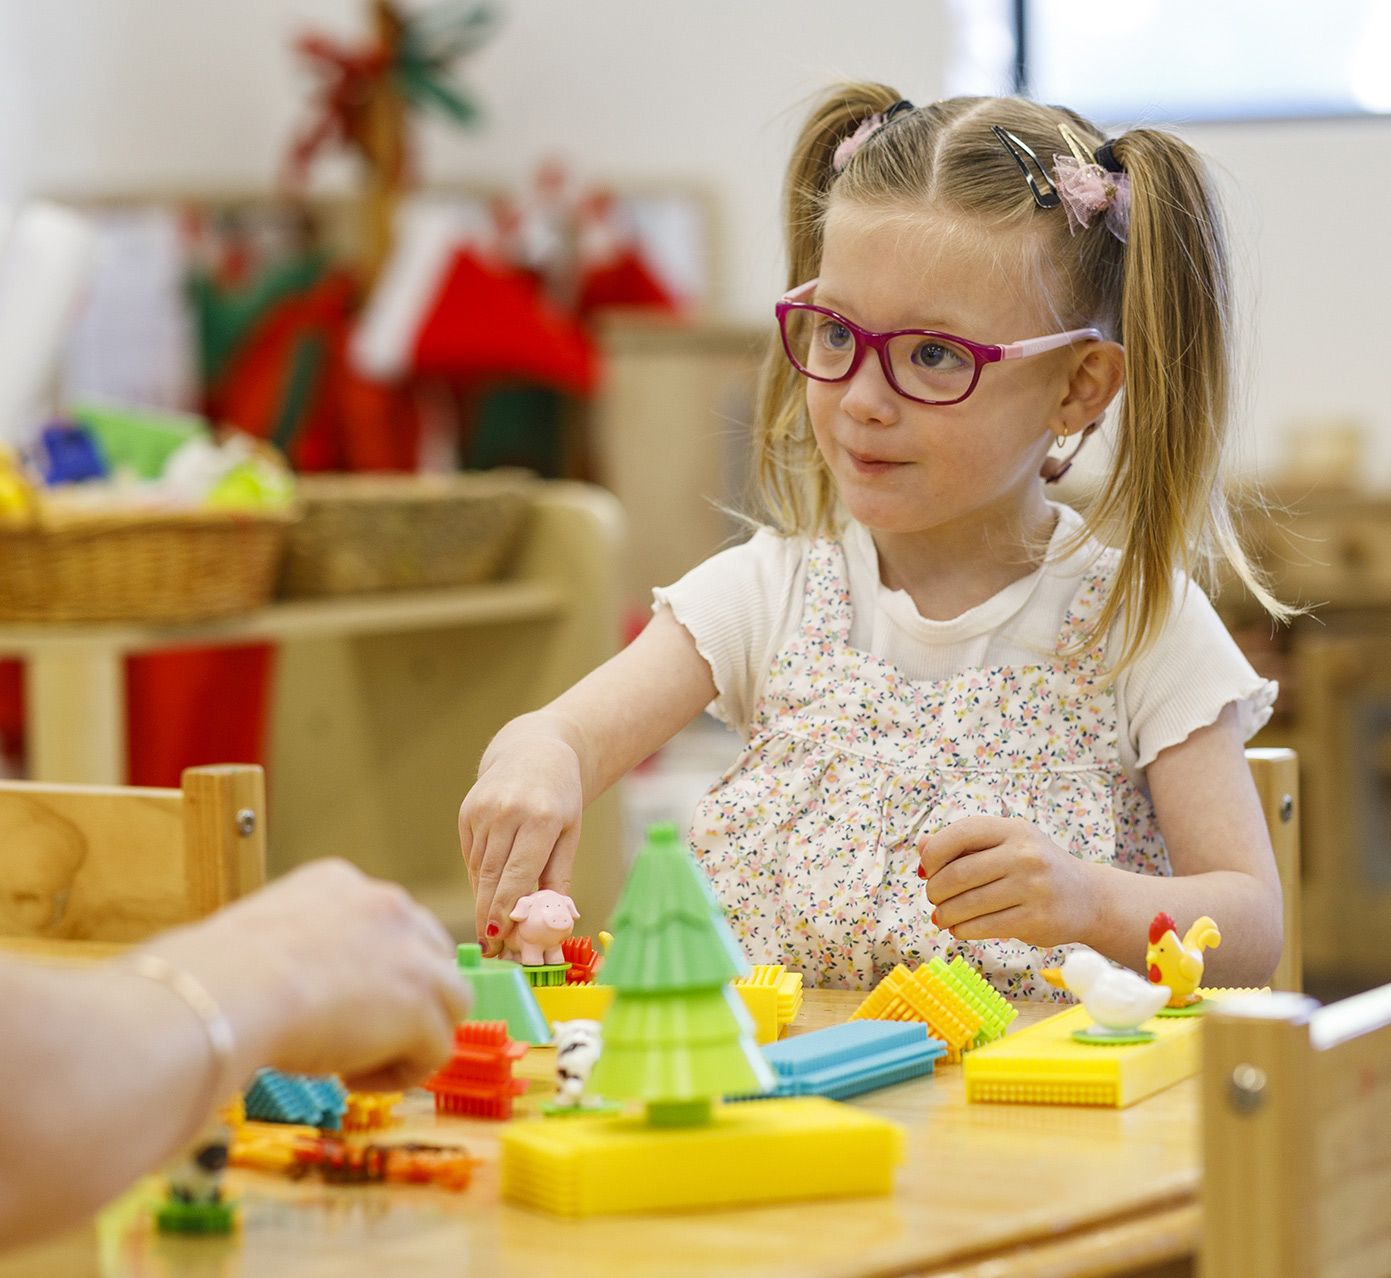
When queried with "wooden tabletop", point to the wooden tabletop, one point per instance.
{"points": [[986, 1190]]}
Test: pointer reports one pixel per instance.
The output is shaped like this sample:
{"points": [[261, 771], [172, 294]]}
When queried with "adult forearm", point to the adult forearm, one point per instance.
{"points": [[1245, 909]]}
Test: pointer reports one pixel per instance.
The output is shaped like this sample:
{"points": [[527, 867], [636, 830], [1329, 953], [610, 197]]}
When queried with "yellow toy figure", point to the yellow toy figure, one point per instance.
{"points": [[1179, 964]]}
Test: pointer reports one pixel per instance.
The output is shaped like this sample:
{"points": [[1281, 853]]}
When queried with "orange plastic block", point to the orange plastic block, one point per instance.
{"points": [[921, 995], [584, 962], [477, 1082]]}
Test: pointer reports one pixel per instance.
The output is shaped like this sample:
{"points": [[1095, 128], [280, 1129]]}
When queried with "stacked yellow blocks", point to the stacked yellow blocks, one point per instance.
{"points": [[956, 1003], [773, 996]]}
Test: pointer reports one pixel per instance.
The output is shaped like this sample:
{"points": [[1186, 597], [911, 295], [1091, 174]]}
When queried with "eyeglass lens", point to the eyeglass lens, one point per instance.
{"points": [[927, 368]]}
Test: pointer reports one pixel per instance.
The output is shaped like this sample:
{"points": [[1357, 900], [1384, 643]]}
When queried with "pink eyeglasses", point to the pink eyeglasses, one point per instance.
{"points": [[924, 366]]}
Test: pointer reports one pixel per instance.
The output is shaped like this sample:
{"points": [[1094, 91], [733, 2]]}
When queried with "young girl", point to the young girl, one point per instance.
{"points": [[971, 727]]}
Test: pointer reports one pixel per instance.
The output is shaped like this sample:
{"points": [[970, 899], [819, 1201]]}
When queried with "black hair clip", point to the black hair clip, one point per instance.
{"points": [[1106, 157], [1049, 199], [901, 107]]}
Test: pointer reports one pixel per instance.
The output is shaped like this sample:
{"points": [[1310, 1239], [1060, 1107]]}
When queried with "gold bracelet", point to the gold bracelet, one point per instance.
{"points": [[195, 994]]}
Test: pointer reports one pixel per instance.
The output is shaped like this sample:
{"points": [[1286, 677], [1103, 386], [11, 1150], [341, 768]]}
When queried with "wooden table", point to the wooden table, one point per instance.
{"points": [[987, 1190]]}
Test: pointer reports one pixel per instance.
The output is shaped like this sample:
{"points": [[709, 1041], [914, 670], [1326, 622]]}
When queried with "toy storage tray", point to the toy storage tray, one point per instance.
{"points": [[363, 534], [1043, 1065]]}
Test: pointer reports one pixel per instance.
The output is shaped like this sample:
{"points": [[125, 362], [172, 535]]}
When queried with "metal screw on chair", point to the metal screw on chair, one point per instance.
{"points": [[246, 822], [1287, 808], [1247, 1090]]}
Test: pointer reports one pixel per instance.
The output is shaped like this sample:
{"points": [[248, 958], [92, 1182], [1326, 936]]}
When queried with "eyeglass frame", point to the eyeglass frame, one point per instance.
{"points": [[866, 340]]}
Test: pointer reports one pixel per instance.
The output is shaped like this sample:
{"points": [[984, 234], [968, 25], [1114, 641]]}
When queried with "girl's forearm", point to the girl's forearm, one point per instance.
{"points": [[1246, 910]]}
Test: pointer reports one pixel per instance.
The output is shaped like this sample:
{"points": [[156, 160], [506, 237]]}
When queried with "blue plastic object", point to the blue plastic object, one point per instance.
{"points": [[845, 1060], [70, 454], [311, 1100]]}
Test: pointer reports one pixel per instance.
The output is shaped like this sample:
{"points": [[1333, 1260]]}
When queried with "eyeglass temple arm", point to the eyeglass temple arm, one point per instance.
{"points": [[1037, 345]]}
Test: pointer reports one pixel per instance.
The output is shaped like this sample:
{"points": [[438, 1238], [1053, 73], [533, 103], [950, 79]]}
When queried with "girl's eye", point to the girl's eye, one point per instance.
{"points": [[834, 336], [937, 358]]}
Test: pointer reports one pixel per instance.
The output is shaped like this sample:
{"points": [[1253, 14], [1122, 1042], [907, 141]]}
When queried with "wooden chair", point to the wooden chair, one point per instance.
{"points": [[1297, 1138], [118, 863], [1276, 774]]}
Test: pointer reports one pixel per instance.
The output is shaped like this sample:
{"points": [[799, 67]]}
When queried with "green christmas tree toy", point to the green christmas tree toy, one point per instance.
{"points": [[677, 1037]]}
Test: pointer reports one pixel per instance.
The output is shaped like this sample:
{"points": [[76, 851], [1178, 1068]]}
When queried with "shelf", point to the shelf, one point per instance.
{"points": [[395, 613]]}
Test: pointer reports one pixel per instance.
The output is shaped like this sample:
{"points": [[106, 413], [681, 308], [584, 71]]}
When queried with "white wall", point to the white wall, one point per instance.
{"points": [[124, 94]]}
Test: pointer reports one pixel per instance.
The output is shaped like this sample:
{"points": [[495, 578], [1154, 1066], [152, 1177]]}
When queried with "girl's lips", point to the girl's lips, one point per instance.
{"points": [[872, 465]]}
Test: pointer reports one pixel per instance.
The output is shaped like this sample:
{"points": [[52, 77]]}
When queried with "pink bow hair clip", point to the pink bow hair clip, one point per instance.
{"points": [[846, 150], [1088, 189]]}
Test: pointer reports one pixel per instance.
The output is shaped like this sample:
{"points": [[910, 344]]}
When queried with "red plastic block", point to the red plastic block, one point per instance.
{"points": [[584, 962], [477, 1081]]}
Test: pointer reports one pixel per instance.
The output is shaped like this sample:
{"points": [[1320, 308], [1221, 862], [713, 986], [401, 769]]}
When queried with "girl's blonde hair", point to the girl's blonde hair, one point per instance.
{"points": [[1163, 294]]}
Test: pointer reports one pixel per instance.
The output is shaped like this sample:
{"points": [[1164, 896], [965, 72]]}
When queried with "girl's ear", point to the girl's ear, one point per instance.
{"points": [[1095, 382]]}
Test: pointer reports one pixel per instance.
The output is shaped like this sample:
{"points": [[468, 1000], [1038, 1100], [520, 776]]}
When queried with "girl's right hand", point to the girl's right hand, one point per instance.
{"points": [[520, 825]]}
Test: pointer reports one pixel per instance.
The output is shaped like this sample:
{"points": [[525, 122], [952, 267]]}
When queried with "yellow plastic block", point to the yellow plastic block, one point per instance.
{"points": [[789, 997], [906, 995], [759, 990], [573, 1002], [1042, 1065], [769, 1151]]}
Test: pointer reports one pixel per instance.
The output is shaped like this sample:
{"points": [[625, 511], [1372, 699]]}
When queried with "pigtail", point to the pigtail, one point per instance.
{"points": [[1165, 495], [797, 490]]}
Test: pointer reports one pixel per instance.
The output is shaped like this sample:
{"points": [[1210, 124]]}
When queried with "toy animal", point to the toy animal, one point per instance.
{"points": [[578, 1046], [1179, 964], [1115, 997], [543, 920]]}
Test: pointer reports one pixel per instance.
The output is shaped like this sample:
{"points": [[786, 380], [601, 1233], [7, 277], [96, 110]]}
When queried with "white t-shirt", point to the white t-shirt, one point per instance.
{"points": [[742, 605]]}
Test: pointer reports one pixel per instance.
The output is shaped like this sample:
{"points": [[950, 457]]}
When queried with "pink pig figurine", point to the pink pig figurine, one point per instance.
{"points": [[543, 920]]}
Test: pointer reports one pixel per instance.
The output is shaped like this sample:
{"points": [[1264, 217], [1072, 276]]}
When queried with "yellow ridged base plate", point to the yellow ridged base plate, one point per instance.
{"points": [[758, 1152]]}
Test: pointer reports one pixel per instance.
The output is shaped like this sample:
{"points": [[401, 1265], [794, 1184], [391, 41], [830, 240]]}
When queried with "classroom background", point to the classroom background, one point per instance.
{"points": [[547, 253]]}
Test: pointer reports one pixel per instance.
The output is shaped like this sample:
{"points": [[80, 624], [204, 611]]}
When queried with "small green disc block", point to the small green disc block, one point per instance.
{"points": [[175, 1217], [1095, 1036], [1192, 1009]]}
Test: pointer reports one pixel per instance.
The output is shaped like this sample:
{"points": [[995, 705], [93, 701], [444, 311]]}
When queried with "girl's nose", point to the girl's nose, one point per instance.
{"points": [[867, 397]]}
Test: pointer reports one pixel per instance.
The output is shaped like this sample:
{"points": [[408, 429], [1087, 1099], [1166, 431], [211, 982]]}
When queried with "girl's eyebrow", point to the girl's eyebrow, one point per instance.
{"points": [[832, 303]]}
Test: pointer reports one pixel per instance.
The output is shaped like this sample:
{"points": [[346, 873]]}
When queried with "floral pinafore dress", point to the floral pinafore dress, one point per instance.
{"points": [[809, 837]]}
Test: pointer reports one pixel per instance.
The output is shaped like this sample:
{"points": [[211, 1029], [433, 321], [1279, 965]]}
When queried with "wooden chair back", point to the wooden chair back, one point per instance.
{"points": [[1276, 774], [119, 863], [1297, 1138]]}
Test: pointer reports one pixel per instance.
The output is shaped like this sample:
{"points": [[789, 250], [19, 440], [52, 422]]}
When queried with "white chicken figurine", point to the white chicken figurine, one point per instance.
{"points": [[1117, 999]]}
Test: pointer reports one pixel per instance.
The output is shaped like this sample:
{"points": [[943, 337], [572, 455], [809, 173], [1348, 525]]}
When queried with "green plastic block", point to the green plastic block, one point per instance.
{"points": [[176, 1217], [680, 1047], [501, 993], [139, 439], [995, 1010], [545, 974], [669, 932]]}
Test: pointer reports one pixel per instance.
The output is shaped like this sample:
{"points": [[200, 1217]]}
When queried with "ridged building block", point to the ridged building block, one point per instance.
{"points": [[1043, 1065], [846, 1060], [584, 961], [477, 1080], [311, 1100], [573, 1002], [997, 1013], [922, 995], [774, 1151]]}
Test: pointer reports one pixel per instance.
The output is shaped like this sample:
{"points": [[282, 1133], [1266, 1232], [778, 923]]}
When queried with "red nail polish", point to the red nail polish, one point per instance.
{"points": [[922, 872], [934, 919], [492, 929]]}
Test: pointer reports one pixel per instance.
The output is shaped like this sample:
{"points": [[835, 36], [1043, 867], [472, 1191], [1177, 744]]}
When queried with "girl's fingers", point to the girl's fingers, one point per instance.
{"points": [[494, 860], [561, 865], [975, 903], [531, 850], [965, 873], [1004, 925], [970, 834]]}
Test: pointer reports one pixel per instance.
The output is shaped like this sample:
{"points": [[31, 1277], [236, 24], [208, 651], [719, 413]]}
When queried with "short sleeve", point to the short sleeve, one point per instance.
{"points": [[1194, 671], [740, 606]]}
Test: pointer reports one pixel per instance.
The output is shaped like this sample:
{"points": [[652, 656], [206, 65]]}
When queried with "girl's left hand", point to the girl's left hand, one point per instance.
{"points": [[992, 878]]}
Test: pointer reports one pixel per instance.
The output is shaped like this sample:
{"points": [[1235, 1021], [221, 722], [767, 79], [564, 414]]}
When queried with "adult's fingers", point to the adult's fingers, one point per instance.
{"points": [[432, 930], [966, 872], [466, 836], [495, 857], [531, 850], [1004, 925], [970, 834]]}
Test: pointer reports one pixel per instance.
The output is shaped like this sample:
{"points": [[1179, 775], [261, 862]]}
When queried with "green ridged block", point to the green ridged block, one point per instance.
{"points": [[676, 1035], [995, 1010], [501, 993], [545, 974]]}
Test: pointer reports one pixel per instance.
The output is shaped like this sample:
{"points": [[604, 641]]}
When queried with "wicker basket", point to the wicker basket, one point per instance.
{"points": [[368, 533], [141, 566]]}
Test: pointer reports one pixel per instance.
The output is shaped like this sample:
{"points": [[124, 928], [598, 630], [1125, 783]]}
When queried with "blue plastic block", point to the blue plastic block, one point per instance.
{"points": [[305, 1099], [70, 455], [845, 1060]]}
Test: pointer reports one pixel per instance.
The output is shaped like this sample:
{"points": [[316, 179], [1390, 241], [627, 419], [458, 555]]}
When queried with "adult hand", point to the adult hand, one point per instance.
{"points": [[327, 970], [994, 878], [520, 825]]}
